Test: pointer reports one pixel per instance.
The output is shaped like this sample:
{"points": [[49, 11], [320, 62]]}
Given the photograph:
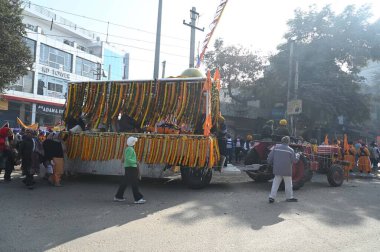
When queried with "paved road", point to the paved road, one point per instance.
{"points": [[232, 214]]}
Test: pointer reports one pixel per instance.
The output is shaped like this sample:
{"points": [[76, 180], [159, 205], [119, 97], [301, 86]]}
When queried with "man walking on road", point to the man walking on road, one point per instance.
{"points": [[282, 158]]}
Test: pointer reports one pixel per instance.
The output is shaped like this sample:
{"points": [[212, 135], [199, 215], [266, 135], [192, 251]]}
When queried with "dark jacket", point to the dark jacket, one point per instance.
{"points": [[282, 131], [267, 131]]}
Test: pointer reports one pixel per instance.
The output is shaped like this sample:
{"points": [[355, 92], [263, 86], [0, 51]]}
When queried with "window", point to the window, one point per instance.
{"points": [[55, 58], [86, 68], [51, 86], [24, 84], [55, 87], [32, 46]]}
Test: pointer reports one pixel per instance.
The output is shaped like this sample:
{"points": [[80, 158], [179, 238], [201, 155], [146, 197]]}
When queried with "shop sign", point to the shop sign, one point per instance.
{"points": [[55, 72], [49, 109]]}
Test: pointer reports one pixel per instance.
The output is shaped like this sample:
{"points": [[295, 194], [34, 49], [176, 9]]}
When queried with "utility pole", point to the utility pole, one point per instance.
{"points": [[158, 42], [163, 68], [295, 95], [193, 16], [290, 77]]}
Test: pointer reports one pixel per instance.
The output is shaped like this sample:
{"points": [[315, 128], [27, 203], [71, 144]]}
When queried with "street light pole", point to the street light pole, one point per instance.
{"points": [[158, 42]]}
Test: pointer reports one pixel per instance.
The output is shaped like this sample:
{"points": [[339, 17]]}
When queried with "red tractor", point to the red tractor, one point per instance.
{"points": [[325, 160]]}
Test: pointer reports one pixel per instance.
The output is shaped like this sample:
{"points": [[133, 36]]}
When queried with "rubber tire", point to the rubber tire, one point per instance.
{"points": [[196, 178], [308, 173], [184, 174], [335, 175], [260, 178]]}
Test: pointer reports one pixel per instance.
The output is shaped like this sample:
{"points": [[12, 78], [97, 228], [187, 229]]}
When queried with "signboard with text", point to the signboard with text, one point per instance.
{"points": [[52, 110], [294, 107]]}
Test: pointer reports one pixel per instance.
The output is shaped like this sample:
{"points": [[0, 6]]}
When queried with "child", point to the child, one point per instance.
{"points": [[131, 175]]}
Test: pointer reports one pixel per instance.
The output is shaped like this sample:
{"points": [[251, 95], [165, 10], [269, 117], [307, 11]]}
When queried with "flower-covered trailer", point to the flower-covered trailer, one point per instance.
{"points": [[174, 118]]}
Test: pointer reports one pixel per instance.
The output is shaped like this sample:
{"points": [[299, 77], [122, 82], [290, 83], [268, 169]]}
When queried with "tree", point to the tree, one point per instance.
{"points": [[15, 57], [239, 69], [331, 50]]}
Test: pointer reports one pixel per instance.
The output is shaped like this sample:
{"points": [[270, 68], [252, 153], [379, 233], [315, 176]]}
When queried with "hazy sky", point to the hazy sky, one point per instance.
{"points": [[255, 24]]}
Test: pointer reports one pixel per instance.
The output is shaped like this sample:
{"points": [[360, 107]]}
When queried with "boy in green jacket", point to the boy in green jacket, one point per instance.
{"points": [[131, 176]]}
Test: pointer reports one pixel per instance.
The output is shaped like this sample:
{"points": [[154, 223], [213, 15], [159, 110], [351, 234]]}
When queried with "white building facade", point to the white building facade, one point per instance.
{"points": [[62, 52]]}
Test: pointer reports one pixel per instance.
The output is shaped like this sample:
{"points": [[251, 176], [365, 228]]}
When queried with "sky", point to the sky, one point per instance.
{"points": [[254, 24]]}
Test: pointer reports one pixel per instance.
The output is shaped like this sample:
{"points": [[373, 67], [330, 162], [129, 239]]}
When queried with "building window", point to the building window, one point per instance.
{"points": [[51, 86], [24, 84], [55, 87], [86, 68], [55, 58], [32, 47]]}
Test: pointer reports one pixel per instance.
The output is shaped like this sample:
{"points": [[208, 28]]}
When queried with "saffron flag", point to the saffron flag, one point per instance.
{"points": [[326, 142], [346, 147], [217, 79], [32, 126], [207, 84]]}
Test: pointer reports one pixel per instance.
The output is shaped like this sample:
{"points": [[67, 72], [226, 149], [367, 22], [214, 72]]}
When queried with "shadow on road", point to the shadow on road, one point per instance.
{"points": [[52, 216]]}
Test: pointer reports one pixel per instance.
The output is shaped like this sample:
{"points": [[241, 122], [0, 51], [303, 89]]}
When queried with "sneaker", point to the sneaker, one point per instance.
{"points": [[118, 199], [371, 175], [271, 200], [140, 201], [292, 200]]}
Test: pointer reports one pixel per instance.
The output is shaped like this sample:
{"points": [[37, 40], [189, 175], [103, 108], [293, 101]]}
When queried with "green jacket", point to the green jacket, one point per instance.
{"points": [[130, 159]]}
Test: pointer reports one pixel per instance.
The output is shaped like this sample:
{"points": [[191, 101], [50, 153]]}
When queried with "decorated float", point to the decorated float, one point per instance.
{"points": [[173, 119]]}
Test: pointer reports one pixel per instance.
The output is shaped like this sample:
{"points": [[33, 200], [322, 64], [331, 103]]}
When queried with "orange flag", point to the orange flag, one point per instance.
{"points": [[217, 79], [207, 84], [345, 143], [207, 126], [326, 142]]}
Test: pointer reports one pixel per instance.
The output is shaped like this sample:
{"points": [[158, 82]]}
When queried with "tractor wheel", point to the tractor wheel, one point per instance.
{"points": [[299, 173], [308, 173], [196, 178], [335, 175], [260, 178]]}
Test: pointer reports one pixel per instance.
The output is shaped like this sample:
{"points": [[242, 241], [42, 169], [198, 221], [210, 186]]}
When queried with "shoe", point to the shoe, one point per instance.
{"points": [[371, 175], [58, 185], [271, 200], [118, 199], [292, 200], [140, 201]]}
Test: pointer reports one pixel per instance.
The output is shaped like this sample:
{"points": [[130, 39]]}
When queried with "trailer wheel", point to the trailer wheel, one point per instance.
{"points": [[260, 178], [335, 175], [184, 174], [196, 178]]}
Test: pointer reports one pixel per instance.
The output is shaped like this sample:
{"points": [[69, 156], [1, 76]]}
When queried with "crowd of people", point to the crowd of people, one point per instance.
{"points": [[33, 150]]}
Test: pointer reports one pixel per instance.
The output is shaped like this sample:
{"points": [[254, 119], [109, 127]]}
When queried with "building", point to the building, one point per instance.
{"points": [[62, 52]]}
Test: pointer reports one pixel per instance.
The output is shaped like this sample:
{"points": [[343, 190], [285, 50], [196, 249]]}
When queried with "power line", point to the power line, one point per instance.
{"points": [[115, 43], [102, 21], [101, 33]]}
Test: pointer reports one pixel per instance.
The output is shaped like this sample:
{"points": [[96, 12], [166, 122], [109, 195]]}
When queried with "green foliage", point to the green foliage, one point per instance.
{"points": [[15, 58], [239, 68], [331, 50]]}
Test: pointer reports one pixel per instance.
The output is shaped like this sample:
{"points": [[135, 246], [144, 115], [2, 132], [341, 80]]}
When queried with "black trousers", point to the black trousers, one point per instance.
{"points": [[130, 178], [9, 165], [237, 153]]}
